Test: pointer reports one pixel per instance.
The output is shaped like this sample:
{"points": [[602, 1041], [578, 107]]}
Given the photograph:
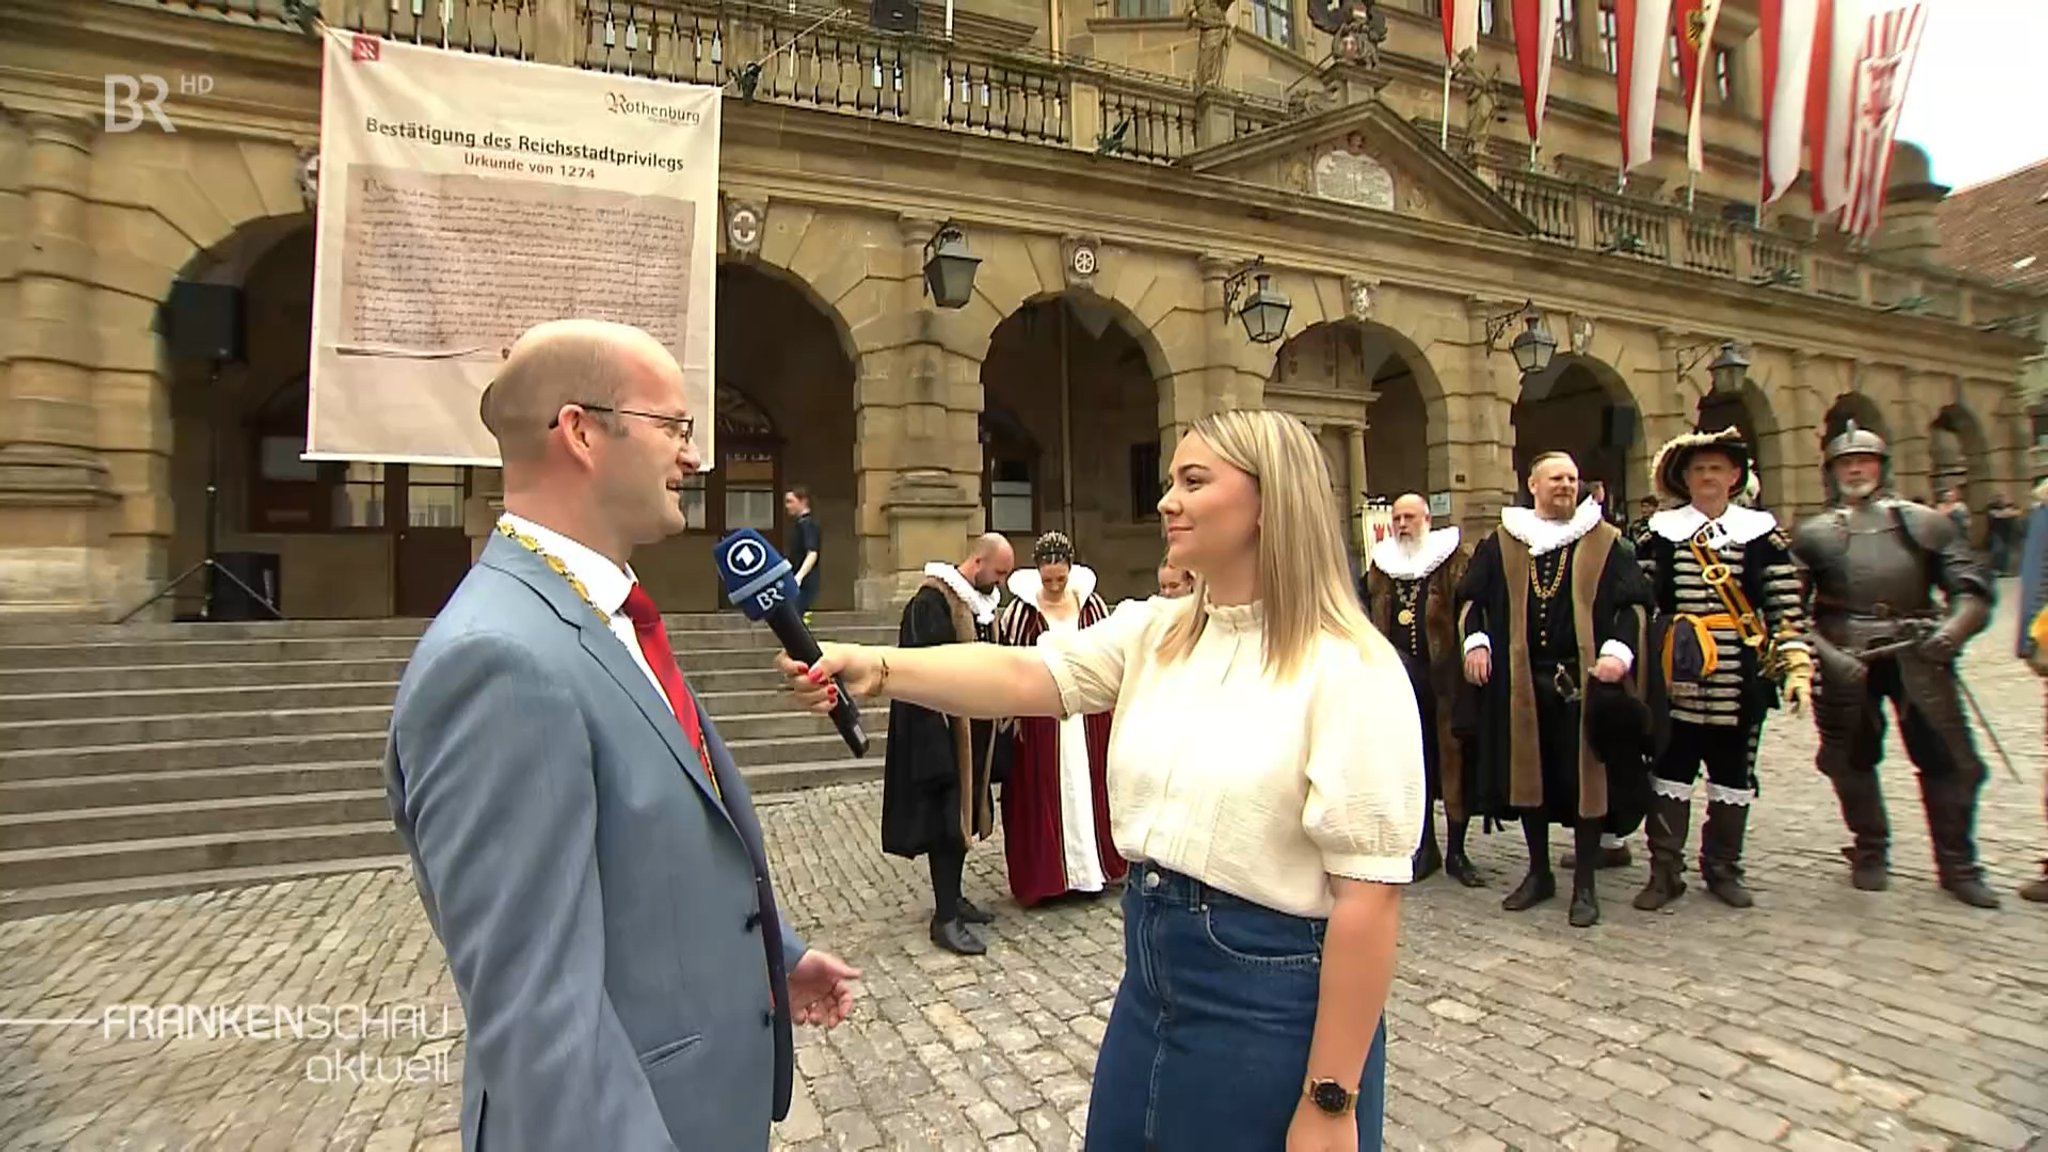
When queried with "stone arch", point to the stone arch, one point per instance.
{"points": [[1346, 369], [1070, 388], [788, 372], [1857, 406], [805, 289], [1582, 405], [1749, 410], [1959, 456]]}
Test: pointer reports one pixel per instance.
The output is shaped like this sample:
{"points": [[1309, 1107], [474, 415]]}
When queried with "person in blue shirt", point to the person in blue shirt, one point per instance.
{"points": [[803, 547]]}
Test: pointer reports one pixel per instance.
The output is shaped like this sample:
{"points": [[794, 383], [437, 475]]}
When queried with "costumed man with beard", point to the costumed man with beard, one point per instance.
{"points": [[1872, 565], [1411, 589], [936, 770], [1056, 834], [1551, 615], [1729, 630]]}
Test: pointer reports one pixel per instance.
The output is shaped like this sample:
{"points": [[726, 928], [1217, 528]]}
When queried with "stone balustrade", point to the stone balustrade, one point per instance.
{"points": [[831, 59]]}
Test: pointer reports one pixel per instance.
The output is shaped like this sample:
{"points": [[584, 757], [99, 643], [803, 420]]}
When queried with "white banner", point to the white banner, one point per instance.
{"points": [[465, 198]]}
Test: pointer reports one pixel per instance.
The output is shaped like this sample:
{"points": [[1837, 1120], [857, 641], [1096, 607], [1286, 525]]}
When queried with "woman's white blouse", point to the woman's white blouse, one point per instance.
{"points": [[1262, 788]]}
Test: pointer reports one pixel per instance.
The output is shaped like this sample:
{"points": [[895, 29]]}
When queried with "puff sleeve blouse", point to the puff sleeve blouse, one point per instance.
{"points": [[1261, 787]]}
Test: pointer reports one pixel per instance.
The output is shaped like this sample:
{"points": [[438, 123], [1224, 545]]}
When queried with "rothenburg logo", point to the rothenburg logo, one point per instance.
{"points": [[620, 104]]}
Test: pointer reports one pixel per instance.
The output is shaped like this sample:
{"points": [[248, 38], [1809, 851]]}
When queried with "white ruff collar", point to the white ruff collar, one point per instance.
{"points": [[1026, 585], [1546, 536], [1388, 556], [1738, 525], [983, 607]]}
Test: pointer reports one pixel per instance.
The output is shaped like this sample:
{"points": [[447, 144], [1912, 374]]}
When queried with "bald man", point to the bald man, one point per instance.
{"points": [[1410, 593], [935, 776], [586, 851]]}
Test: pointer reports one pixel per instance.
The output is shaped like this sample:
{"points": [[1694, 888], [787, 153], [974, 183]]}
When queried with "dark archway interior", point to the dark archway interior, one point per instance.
{"points": [[1070, 436], [1569, 408]]}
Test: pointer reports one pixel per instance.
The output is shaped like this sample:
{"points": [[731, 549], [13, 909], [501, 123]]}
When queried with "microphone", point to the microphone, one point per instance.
{"points": [[761, 583]]}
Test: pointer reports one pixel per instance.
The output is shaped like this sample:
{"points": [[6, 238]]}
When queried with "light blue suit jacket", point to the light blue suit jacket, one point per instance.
{"points": [[602, 911]]}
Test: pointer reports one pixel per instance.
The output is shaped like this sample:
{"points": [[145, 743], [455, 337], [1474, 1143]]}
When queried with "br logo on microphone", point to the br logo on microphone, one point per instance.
{"points": [[755, 576]]}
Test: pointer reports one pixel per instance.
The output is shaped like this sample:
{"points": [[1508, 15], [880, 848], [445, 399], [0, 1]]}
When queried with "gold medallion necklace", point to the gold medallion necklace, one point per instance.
{"points": [[506, 529]]}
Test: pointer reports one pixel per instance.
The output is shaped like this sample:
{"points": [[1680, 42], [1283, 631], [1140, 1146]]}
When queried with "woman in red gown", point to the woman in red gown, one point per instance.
{"points": [[1056, 835]]}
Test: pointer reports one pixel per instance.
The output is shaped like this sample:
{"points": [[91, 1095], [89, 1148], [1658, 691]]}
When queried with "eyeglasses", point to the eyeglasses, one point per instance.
{"points": [[681, 429]]}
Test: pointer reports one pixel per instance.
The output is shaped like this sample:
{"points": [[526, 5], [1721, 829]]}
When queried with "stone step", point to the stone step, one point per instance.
{"points": [[43, 900], [156, 821], [690, 646], [777, 736], [755, 674], [190, 701], [186, 785], [45, 633], [83, 875], [59, 735], [74, 863]]}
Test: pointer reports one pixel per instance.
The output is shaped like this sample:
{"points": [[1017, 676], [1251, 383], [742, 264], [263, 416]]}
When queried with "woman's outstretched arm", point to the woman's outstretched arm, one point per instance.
{"points": [[981, 681]]}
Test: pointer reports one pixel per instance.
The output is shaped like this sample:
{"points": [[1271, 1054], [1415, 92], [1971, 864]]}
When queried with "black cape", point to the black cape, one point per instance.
{"points": [[935, 772]]}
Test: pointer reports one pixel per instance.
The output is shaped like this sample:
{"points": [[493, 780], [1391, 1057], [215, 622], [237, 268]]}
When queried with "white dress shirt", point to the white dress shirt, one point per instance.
{"points": [[604, 580]]}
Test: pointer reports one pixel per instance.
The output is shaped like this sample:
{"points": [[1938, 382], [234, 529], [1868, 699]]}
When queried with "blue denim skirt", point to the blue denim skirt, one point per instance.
{"points": [[1208, 1042]]}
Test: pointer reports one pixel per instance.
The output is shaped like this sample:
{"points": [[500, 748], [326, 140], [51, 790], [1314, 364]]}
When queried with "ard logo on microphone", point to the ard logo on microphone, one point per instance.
{"points": [[753, 573]]}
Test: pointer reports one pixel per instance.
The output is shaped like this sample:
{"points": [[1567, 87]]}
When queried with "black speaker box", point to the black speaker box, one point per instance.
{"points": [[203, 321], [894, 15]]}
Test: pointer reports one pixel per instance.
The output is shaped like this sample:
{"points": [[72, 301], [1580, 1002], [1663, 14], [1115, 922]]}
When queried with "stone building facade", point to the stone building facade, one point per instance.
{"points": [[1116, 165]]}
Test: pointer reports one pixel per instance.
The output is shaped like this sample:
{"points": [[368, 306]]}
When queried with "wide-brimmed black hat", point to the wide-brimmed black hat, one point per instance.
{"points": [[1618, 727], [1667, 471]]}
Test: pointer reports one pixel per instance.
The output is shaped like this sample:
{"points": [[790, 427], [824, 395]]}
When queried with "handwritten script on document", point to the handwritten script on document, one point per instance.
{"points": [[434, 263]]}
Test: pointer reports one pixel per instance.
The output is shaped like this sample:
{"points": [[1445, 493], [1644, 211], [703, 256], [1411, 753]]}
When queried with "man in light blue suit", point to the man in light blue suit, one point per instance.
{"points": [[586, 851]]}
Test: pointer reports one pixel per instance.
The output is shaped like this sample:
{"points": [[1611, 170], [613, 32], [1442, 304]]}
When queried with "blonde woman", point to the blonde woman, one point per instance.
{"points": [[1266, 782]]}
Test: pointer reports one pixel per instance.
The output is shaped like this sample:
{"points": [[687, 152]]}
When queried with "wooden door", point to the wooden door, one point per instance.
{"points": [[430, 549]]}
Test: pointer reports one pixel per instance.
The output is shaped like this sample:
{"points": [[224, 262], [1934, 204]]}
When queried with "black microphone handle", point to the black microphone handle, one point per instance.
{"points": [[797, 641]]}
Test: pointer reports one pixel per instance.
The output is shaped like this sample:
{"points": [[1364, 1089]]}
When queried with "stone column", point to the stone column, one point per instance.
{"points": [[1354, 449], [56, 496], [918, 451], [1230, 384], [1489, 449]]}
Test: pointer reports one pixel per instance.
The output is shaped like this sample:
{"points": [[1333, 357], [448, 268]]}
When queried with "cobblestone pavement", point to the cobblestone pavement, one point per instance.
{"points": [[1824, 1019]]}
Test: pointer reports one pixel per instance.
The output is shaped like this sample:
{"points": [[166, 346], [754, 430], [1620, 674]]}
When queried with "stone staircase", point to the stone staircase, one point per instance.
{"points": [[154, 759]]}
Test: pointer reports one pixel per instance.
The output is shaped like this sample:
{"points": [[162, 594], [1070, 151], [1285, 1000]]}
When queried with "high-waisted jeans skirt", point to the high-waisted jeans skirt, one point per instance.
{"points": [[1207, 1047]]}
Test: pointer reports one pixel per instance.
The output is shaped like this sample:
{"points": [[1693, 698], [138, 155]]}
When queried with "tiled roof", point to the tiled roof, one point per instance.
{"points": [[1998, 230]]}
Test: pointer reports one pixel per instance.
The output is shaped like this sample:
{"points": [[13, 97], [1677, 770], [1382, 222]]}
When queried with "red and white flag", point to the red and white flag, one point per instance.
{"points": [[1695, 20], [1644, 26], [1461, 28], [1535, 46], [1830, 101], [1884, 66], [1788, 34]]}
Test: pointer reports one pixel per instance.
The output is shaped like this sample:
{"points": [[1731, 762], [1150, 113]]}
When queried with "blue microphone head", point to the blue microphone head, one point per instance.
{"points": [[756, 577]]}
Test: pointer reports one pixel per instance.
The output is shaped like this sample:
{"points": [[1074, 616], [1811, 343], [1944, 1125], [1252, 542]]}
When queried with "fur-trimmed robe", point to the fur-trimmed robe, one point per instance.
{"points": [[935, 772], [1043, 854], [1446, 659], [1609, 603]]}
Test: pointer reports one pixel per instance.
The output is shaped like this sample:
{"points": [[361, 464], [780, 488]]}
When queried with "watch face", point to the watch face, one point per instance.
{"points": [[1330, 1096]]}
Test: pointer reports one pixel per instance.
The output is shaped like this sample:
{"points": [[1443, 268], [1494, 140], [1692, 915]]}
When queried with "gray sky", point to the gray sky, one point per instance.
{"points": [[1978, 99]]}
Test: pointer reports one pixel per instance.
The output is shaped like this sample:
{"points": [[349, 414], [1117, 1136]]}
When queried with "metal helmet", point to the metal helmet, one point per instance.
{"points": [[1857, 441]]}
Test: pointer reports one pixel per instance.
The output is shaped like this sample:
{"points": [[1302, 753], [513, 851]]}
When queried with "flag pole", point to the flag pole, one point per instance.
{"points": [[1444, 138]]}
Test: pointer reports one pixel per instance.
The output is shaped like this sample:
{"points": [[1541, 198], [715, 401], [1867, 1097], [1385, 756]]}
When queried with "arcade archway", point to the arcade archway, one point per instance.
{"points": [[1748, 410], [1070, 434], [1582, 406], [1959, 456]]}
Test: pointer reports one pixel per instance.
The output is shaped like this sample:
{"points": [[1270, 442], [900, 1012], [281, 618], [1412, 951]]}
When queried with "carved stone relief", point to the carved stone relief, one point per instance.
{"points": [[1354, 178]]}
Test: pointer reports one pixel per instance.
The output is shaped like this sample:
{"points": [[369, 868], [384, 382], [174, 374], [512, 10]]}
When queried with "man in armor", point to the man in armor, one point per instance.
{"points": [[1872, 564], [1728, 617]]}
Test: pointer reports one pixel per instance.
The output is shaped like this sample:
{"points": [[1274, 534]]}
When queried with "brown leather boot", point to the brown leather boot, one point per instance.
{"points": [[1863, 813], [1667, 825], [1721, 853], [1951, 820], [2037, 892]]}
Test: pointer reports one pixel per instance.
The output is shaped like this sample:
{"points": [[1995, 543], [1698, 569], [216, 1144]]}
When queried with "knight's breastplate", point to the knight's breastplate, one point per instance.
{"points": [[1880, 572]]}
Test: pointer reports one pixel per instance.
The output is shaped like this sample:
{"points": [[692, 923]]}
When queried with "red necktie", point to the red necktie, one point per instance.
{"points": [[646, 618]]}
